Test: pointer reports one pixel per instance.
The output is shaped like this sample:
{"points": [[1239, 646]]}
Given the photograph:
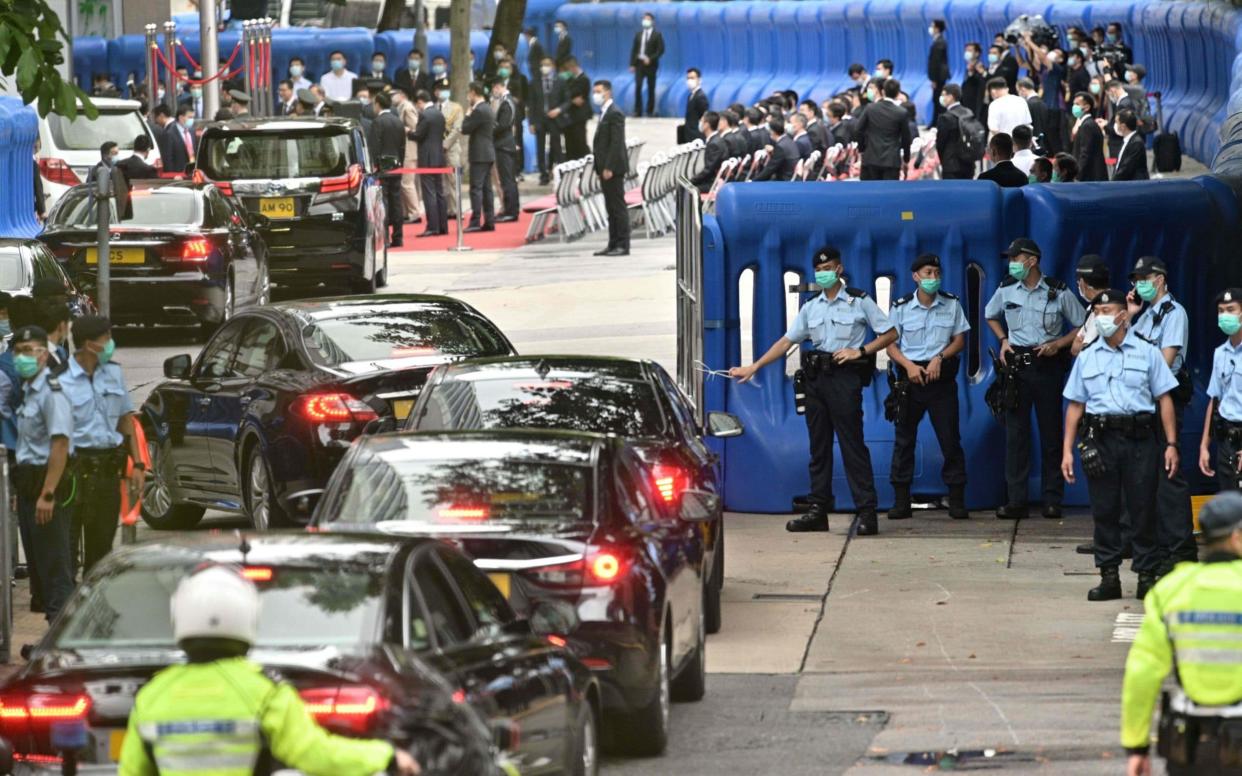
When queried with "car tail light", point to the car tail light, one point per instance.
{"points": [[22, 716], [334, 408], [345, 709], [670, 481], [350, 181], [58, 171], [463, 513], [258, 573], [190, 249], [599, 567], [224, 187]]}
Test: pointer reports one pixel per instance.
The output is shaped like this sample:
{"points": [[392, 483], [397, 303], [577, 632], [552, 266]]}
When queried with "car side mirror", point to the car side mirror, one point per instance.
{"points": [[723, 425], [698, 506], [300, 506], [177, 367]]}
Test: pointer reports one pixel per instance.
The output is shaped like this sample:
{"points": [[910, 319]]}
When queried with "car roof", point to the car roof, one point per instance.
{"points": [[544, 445], [283, 124], [274, 548], [110, 103], [15, 242], [498, 366], [364, 304]]}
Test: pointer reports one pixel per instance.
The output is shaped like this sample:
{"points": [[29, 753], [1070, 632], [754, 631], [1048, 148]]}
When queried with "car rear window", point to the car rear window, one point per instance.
{"points": [[578, 401], [83, 134], [151, 207], [379, 336], [12, 271], [301, 607], [261, 155], [450, 493]]}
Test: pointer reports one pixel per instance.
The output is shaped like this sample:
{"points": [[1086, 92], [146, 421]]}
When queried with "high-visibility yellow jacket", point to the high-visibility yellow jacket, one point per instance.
{"points": [[214, 719], [1192, 617]]}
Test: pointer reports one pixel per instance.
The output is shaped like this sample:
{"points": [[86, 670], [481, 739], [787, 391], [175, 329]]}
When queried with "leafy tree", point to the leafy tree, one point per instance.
{"points": [[32, 45]]}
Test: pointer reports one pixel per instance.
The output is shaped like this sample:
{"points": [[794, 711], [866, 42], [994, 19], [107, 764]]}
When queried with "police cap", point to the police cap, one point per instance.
{"points": [[925, 260], [307, 98], [1022, 245], [47, 287], [1147, 265], [1229, 295], [90, 327], [1093, 270], [1221, 516], [1109, 296], [30, 334], [826, 254], [239, 96]]}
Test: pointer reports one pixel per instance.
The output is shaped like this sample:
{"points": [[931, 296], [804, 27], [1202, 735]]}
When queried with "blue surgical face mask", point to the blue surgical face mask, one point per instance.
{"points": [[337, 65], [1146, 289], [295, 71], [105, 355], [26, 366], [993, 58], [1107, 325], [929, 285], [414, 64], [826, 279], [1018, 270], [438, 69], [5, 327], [1229, 323]]}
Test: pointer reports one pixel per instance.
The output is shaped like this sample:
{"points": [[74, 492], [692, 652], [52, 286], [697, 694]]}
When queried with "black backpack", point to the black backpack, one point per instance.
{"points": [[974, 134]]}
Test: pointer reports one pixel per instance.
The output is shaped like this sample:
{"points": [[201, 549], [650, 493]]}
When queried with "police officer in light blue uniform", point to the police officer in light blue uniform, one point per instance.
{"points": [[1163, 322], [931, 330], [1223, 419], [838, 366], [1119, 391], [43, 477], [1029, 313]]}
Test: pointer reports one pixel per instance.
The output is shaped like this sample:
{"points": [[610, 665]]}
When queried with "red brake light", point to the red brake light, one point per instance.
{"points": [[350, 181], [347, 709], [599, 567], [22, 716], [605, 567], [463, 513], [257, 573], [670, 481], [190, 249], [334, 408], [58, 171]]}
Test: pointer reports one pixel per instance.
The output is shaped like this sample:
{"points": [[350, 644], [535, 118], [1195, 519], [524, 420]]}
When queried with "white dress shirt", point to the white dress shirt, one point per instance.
{"points": [[1024, 159], [338, 87], [1008, 112]]}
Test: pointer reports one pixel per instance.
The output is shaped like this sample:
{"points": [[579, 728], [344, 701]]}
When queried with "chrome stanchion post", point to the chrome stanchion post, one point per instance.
{"points": [[461, 214], [269, 99], [152, 71], [170, 82]]}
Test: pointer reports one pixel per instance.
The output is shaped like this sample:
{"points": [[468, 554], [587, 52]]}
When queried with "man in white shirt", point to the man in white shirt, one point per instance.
{"points": [[297, 74], [1023, 156], [337, 83], [1006, 110]]}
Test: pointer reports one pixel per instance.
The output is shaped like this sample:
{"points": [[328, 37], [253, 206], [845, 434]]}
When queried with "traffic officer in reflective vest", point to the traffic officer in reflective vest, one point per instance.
{"points": [[931, 328], [1192, 626], [1223, 419], [1162, 321], [1029, 313], [837, 368], [1119, 400], [103, 418], [219, 714]]}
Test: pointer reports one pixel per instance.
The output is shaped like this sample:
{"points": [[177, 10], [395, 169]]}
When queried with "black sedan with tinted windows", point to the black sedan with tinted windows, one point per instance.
{"points": [[260, 419], [632, 398], [182, 254], [25, 262], [573, 530], [402, 639]]}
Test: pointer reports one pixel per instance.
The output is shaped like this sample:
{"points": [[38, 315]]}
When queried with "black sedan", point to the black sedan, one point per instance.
{"points": [[25, 262], [271, 404], [185, 256], [400, 639], [573, 531], [631, 398]]}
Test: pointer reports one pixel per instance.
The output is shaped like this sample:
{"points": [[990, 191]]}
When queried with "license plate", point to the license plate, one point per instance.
{"points": [[276, 207], [401, 408], [501, 581], [118, 255], [116, 740]]}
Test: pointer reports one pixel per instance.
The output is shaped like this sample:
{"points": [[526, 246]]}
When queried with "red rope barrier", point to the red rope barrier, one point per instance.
{"points": [[194, 81], [420, 171]]}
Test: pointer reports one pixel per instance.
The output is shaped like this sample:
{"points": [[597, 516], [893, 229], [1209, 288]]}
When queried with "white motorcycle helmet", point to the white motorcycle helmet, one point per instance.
{"points": [[216, 602]]}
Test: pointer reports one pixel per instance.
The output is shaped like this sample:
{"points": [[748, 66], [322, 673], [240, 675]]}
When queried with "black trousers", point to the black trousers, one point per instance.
{"points": [[97, 507], [1226, 471], [547, 149], [506, 169], [1175, 530], [618, 216], [394, 207], [939, 400], [1205, 760], [1130, 483], [834, 408], [575, 141], [872, 173], [1039, 387], [51, 542], [956, 174], [432, 187], [937, 108], [481, 203], [644, 73]]}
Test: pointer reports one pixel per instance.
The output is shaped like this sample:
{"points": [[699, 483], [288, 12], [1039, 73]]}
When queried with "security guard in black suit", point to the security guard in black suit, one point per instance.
{"points": [[612, 165], [388, 148], [837, 368], [931, 328], [506, 149], [480, 126]]}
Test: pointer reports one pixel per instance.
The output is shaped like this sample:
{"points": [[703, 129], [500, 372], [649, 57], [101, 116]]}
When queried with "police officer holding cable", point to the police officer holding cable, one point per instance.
{"points": [[837, 368], [1223, 419], [1192, 626], [931, 330], [1119, 399], [1028, 313]]}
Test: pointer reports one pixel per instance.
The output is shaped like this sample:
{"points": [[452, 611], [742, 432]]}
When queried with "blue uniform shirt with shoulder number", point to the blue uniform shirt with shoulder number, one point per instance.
{"points": [[838, 323], [1226, 383], [99, 402], [44, 413], [1166, 325], [1033, 316], [1119, 381], [925, 331]]}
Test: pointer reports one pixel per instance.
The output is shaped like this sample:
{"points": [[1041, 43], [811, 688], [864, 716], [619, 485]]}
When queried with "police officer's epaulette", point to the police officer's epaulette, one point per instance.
{"points": [[1008, 281], [857, 293], [947, 295], [1056, 284], [903, 300]]}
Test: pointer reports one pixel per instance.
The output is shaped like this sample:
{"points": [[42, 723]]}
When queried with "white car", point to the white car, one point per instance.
{"points": [[70, 148]]}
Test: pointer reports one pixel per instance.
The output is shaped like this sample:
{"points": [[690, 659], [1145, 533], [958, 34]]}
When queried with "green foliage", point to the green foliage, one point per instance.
{"points": [[32, 45]]}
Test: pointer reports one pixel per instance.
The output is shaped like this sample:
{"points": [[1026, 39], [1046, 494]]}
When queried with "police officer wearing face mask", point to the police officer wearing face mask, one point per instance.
{"points": [[1223, 419], [1119, 401], [838, 367], [1029, 313], [1162, 321], [103, 436], [931, 330]]}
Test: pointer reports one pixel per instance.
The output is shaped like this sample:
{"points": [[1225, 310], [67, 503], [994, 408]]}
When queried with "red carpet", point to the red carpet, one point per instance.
{"points": [[510, 235]]}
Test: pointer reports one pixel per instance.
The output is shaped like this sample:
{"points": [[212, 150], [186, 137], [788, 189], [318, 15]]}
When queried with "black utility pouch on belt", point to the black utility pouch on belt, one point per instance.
{"points": [[1230, 737], [1178, 737]]}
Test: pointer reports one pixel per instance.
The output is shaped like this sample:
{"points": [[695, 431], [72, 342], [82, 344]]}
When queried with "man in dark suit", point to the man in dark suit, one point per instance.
{"points": [[574, 110], [387, 143], [937, 65], [696, 106], [883, 133], [1118, 100], [1002, 64], [1043, 127], [612, 164], [756, 131], [413, 78], [955, 162], [736, 141], [645, 56], [135, 167], [840, 129], [564, 43], [161, 117], [1088, 140], [801, 137], [1132, 157], [1003, 172], [480, 126], [545, 94], [429, 134], [180, 139], [714, 154], [535, 53], [782, 154], [286, 98], [506, 150]]}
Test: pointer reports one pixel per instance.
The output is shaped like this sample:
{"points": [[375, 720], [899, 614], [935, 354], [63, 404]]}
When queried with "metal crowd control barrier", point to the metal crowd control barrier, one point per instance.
{"points": [[7, 547], [461, 246], [690, 293]]}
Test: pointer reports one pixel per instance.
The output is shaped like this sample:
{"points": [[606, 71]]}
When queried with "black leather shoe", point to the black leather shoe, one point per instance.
{"points": [[603, 252], [816, 519], [488, 228], [901, 503], [1011, 512], [617, 252], [472, 229], [1109, 588], [1052, 511], [867, 524], [506, 219], [1086, 548], [397, 244], [1146, 583], [429, 234]]}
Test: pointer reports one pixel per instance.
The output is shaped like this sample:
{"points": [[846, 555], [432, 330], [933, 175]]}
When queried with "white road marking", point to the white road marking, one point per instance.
{"points": [[1126, 627]]}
